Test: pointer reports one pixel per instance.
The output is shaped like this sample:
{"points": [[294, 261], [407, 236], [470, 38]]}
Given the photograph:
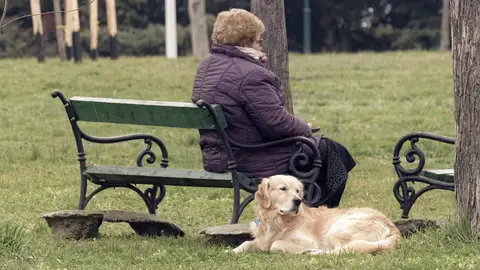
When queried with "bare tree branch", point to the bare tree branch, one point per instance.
{"points": [[3, 15], [45, 13]]}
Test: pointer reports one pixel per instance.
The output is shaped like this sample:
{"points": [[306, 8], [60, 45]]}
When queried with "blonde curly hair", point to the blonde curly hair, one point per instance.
{"points": [[237, 27]]}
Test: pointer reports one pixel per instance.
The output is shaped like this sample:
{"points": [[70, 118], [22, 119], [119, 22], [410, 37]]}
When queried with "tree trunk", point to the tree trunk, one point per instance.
{"points": [[112, 27], [77, 48], [272, 14], [465, 19], [68, 29], [37, 28], [198, 28], [59, 30], [445, 34], [93, 30]]}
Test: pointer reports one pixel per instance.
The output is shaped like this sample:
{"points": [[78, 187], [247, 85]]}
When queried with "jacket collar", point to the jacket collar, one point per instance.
{"points": [[232, 51]]}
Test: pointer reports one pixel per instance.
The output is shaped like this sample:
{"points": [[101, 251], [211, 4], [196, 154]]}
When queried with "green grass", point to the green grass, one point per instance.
{"points": [[12, 241], [365, 101]]}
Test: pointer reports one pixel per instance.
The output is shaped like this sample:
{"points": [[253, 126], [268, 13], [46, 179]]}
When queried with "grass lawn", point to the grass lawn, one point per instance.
{"points": [[365, 101]]}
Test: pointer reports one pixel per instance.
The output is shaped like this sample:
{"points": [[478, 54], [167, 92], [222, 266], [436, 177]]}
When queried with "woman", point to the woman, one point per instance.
{"points": [[233, 75]]}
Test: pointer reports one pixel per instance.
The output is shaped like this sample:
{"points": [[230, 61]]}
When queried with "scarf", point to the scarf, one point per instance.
{"points": [[255, 54]]}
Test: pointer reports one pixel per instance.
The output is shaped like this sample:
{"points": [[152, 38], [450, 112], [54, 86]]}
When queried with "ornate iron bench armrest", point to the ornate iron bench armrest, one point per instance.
{"points": [[407, 195], [297, 159], [79, 134], [413, 138], [148, 139]]}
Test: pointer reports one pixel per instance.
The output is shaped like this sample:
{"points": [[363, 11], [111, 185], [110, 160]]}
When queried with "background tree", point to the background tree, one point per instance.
{"points": [[337, 25], [198, 28], [60, 31], [275, 44], [445, 29], [465, 22]]}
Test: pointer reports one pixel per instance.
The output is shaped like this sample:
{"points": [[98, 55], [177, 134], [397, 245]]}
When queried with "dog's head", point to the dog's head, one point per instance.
{"points": [[281, 193]]}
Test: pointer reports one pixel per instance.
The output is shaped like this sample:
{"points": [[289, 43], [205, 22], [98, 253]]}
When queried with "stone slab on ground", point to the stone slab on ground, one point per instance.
{"points": [[144, 224], [410, 226], [74, 224], [231, 234], [235, 234], [84, 224]]}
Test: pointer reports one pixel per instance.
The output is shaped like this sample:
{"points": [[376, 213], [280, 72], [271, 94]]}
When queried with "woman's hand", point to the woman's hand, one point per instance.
{"points": [[263, 58], [313, 129]]}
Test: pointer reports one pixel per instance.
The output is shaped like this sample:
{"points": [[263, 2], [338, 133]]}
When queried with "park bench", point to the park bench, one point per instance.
{"points": [[442, 179], [200, 116]]}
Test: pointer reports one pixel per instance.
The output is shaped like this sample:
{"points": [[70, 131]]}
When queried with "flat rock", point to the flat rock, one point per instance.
{"points": [[82, 224], [231, 234], [127, 216], [410, 226], [143, 224], [74, 224]]}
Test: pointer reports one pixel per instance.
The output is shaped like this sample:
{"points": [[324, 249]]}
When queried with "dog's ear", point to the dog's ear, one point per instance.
{"points": [[301, 188], [262, 195], [301, 191]]}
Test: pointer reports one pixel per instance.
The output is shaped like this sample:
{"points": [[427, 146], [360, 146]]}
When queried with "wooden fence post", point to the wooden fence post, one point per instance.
{"points": [[37, 28]]}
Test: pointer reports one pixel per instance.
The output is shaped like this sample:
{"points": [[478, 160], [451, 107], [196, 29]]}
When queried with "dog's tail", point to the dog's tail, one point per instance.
{"points": [[390, 242]]}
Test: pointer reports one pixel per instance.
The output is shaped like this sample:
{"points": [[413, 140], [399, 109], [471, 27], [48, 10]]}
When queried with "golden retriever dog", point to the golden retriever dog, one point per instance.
{"points": [[285, 224]]}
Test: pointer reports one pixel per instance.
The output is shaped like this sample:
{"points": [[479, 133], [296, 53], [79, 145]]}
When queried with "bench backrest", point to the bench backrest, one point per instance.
{"points": [[151, 113]]}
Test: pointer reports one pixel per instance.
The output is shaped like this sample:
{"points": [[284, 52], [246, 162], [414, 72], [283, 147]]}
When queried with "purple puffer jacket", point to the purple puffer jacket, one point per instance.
{"points": [[252, 100]]}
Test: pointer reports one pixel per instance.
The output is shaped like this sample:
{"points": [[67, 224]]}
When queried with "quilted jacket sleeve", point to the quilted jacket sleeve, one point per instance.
{"points": [[264, 108]]}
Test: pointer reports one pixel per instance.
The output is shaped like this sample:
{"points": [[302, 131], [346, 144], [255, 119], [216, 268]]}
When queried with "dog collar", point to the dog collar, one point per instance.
{"points": [[257, 221]]}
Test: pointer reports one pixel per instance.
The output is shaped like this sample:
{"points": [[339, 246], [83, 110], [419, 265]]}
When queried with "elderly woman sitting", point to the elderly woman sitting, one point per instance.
{"points": [[233, 75]]}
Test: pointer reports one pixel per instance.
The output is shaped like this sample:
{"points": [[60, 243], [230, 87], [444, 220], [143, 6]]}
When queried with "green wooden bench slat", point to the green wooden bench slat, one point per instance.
{"points": [[444, 175], [152, 113], [172, 177]]}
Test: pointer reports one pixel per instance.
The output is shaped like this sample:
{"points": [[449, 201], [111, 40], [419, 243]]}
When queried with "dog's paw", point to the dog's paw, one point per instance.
{"points": [[233, 251], [314, 251], [237, 250]]}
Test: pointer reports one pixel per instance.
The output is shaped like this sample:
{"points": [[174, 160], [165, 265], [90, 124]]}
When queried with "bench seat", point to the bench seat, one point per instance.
{"points": [[158, 176], [444, 175]]}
